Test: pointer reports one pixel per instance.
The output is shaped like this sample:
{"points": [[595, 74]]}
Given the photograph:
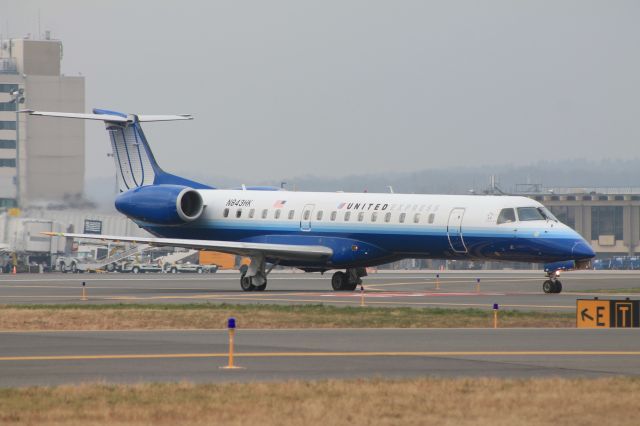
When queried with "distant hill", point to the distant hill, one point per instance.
{"points": [[605, 173]]}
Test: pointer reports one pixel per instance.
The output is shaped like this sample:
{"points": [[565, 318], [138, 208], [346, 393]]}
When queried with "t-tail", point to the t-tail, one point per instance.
{"points": [[134, 161]]}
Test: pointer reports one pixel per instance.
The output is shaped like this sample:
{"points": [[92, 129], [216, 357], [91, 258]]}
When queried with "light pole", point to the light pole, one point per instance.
{"points": [[17, 97]]}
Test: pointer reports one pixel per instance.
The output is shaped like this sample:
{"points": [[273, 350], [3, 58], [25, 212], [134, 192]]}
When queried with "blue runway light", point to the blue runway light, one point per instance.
{"points": [[231, 323], [495, 307]]}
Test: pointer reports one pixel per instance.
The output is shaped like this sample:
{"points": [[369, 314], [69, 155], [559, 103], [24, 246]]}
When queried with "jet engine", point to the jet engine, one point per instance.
{"points": [[161, 204]]}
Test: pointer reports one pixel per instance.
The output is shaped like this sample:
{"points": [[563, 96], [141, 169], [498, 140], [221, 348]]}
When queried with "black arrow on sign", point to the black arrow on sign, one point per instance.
{"points": [[584, 314]]}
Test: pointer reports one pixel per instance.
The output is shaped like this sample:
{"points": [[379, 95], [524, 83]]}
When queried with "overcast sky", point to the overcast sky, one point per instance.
{"points": [[331, 88]]}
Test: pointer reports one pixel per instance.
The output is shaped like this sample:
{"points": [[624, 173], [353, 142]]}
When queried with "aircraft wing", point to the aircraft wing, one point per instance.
{"points": [[278, 251]]}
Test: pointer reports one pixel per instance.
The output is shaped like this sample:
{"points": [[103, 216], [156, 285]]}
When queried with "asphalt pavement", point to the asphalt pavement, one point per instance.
{"points": [[510, 289], [50, 358]]}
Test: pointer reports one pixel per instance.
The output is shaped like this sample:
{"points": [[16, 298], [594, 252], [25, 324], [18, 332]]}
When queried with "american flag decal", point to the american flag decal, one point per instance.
{"points": [[341, 205], [279, 204]]}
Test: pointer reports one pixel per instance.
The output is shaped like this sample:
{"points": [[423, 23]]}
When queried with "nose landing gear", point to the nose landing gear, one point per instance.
{"points": [[553, 284]]}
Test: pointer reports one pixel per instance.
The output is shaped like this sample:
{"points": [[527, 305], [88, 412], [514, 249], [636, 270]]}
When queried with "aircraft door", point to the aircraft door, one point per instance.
{"points": [[305, 219], [454, 231]]}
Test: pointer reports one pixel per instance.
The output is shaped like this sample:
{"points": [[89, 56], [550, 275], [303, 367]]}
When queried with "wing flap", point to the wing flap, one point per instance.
{"points": [[279, 251]]}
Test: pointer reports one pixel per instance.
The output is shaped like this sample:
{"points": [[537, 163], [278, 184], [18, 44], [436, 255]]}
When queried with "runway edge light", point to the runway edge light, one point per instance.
{"points": [[231, 326], [496, 308]]}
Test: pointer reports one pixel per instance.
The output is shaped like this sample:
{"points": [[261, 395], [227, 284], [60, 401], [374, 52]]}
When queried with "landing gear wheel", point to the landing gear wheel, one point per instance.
{"points": [[339, 281], [111, 267], [246, 285], [260, 287], [353, 285], [548, 286], [557, 287]]}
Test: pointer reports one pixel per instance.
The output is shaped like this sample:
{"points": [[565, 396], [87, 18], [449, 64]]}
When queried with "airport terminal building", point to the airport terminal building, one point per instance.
{"points": [[40, 159]]}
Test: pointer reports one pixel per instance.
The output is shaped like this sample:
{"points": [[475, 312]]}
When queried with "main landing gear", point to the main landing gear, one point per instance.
{"points": [[349, 280], [553, 284], [254, 277]]}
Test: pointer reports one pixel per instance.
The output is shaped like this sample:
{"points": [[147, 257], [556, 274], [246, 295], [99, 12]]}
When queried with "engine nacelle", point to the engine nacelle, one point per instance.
{"points": [[161, 204]]}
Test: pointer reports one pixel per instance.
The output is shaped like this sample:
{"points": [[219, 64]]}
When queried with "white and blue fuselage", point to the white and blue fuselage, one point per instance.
{"points": [[366, 229]]}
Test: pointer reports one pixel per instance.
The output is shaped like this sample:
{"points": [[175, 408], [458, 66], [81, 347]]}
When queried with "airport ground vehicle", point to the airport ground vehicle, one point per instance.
{"points": [[139, 268], [190, 268], [95, 258]]}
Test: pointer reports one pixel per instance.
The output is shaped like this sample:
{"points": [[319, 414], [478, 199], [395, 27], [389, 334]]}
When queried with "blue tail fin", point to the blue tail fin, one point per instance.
{"points": [[135, 164]]}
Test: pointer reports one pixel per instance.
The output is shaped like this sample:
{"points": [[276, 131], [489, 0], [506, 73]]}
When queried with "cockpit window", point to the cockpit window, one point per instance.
{"points": [[530, 213], [506, 216], [547, 214]]}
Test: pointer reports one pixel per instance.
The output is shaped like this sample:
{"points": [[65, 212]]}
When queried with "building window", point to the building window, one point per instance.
{"points": [[265, 212], [319, 215], [387, 217], [347, 216], [333, 215], [606, 220], [7, 144], [225, 213], [416, 218], [291, 213], [276, 214], [7, 106], [7, 162], [374, 216], [7, 125], [239, 213], [432, 217], [565, 214], [402, 216], [251, 213], [8, 88]]}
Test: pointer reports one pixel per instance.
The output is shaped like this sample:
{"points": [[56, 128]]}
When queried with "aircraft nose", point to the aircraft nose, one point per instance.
{"points": [[582, 250]]}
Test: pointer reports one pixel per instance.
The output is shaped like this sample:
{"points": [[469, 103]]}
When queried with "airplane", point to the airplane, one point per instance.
{"points": [[321, 231]]}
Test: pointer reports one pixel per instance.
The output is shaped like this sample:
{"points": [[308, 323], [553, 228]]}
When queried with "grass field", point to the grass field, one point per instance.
{"points": [[214, 316], [336, 402]]}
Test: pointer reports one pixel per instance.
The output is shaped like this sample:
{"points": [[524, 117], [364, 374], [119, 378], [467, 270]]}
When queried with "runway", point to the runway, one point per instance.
{"points": [[50, 358], [457, 289]]}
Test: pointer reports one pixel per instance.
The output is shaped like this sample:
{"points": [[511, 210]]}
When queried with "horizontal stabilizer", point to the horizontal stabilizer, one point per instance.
{"points": [[110, 117], [277, 251]]}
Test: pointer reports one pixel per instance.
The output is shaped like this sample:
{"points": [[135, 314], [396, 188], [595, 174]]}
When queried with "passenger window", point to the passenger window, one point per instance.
{"points": [[225, 213], [333, 215], [360, 216], [529, 213], [251, 213], [277, 213], [264, 213], [432, 217], [506, 216], [347, 216], [239, 213], [402, 216], [291, 213], [416, 218], [306, 215], [319, 215], [374, 216], [387, 217]]}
